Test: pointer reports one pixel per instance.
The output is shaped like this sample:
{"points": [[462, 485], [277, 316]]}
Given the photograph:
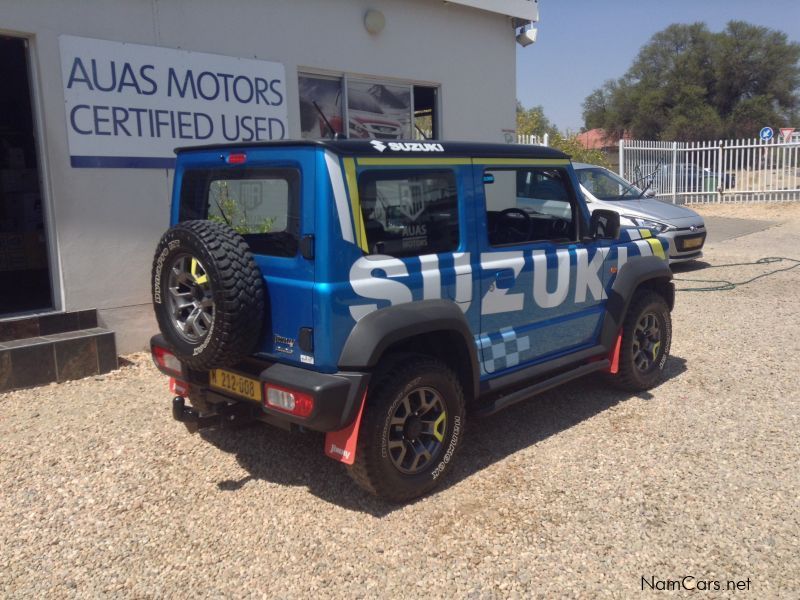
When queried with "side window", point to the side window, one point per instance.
{"points": [[263, 205], [409, 213], [529, 204]]}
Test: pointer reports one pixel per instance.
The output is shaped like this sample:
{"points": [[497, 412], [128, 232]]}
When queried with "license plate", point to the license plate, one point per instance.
{"points": [[692, 243], [235, 384]]}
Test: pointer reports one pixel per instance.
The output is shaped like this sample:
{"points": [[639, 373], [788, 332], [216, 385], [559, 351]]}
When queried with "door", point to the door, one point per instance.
{"points": [[542, 290], [25, 281], [267, 196]]}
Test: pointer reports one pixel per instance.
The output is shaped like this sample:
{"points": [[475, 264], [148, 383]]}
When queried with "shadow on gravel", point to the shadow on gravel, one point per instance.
{"points": [[296, 459], [688, 267]]}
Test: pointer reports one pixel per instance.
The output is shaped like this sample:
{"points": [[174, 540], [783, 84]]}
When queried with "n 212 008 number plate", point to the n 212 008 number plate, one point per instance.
{"points": [[235, 384]]}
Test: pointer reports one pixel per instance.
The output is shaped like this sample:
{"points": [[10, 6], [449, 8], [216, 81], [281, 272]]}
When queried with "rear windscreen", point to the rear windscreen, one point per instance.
{"points": [[263, 205]]}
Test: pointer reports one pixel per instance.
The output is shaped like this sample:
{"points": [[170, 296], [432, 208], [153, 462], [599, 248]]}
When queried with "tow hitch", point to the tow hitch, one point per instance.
{"points": [[224, 415]]}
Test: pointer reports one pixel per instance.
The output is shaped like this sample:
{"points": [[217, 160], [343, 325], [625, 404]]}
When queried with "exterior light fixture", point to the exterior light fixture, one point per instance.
{"points": [[374, 21], [527, 35]]}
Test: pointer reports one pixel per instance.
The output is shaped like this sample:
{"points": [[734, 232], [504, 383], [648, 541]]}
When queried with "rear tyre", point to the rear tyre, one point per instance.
{"points": [[646, 340], [412, 426], [208, 294]]}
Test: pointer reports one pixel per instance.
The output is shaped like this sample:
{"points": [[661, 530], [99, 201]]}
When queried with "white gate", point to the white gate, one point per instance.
{"points": [[718, 171], [532, 139]]}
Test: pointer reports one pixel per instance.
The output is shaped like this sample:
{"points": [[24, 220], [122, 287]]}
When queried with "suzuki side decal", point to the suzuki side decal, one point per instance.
{"points": [[497, 299], [367, 285], [379, 278], [541, 296]]}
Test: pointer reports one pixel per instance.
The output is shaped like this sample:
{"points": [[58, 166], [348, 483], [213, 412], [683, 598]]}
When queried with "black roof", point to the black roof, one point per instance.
{"points": [[429, 148]]}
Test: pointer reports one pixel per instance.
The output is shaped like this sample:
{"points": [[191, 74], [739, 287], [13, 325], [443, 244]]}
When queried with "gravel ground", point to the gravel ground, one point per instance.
{"points": [[580, 492]]}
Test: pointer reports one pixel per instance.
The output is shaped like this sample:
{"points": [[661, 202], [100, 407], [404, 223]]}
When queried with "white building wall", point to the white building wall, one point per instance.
{"points": [[105, 222]]}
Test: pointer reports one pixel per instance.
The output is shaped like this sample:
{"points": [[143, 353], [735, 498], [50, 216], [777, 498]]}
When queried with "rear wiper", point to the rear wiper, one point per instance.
{"points": [[219, 208]]}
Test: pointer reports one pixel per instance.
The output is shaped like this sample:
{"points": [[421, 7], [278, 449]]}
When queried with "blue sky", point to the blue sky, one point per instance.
{"points": [[584, 42]]}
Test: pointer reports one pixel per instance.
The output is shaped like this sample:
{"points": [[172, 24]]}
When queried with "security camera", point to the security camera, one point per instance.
{"points": [[527, 36]]}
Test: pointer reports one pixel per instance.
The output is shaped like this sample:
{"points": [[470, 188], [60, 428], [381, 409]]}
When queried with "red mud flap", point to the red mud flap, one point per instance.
{"points": [[341, 445], [614, 356]]}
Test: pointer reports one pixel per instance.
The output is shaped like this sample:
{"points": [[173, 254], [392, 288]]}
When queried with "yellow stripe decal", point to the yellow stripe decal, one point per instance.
{"points": [[542, 162], [402, 162], [388, 161], [355, 203], [646, 233], [658, 249]]}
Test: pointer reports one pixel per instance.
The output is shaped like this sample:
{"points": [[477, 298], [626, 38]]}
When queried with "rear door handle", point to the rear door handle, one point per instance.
{"points": [[504, 279]]}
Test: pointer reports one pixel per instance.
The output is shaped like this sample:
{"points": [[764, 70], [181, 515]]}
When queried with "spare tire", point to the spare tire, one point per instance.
{"points": [[208, 294]]}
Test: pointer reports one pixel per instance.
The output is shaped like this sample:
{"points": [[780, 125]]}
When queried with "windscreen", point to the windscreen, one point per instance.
{"points": [[605, 185]]}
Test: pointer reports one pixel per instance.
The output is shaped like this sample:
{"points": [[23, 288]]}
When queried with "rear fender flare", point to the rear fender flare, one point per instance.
{"points": [[381, 329]]}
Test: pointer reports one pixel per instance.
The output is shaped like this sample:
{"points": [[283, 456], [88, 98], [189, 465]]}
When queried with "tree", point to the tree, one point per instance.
{"points": [[531, 121], [570, 144], [688, 83]]}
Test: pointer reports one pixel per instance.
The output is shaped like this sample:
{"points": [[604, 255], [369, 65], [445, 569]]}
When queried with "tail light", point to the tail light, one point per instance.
{"points": [[288, 401], [167, 361]]}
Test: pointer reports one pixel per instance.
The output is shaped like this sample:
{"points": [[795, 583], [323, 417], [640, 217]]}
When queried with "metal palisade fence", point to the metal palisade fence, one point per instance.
{"points": [[535, 140], [714, 171]]}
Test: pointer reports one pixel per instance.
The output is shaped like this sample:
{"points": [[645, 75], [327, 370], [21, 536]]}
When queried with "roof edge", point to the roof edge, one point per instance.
{"points": [[408, 148], [519, 9]]}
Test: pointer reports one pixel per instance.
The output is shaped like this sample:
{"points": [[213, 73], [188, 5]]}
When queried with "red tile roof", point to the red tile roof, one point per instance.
{"points": [[595, 139]]}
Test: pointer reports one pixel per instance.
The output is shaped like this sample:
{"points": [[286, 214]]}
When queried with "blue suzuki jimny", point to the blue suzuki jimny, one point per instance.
{"points": [[382, 292]]}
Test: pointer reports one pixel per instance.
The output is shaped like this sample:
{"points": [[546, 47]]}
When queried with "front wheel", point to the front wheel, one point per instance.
{"points": [[412, 425], [646, 339]]}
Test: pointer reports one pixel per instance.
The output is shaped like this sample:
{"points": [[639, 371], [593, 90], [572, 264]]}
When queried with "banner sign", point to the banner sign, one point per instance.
{"points": [[129, 105]]}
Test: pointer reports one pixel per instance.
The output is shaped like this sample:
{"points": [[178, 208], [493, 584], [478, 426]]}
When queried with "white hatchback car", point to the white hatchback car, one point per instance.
{"points": [[684, 228]]}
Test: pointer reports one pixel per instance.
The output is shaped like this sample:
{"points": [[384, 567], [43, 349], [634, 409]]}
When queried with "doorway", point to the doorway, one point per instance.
{"points": [[25, 282]]}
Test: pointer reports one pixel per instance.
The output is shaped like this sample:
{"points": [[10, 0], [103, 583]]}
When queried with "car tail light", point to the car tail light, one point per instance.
{"points": [[288, 401], [178, 387], [166, 360], [236, 159]]}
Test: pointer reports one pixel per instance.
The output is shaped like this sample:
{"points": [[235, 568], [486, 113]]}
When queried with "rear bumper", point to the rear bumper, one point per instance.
{"points": [[336, 396]]}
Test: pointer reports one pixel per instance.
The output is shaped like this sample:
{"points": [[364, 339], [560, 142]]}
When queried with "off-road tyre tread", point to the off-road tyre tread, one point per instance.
{"points": [[629, 378], [394, 374], [238, 290]]}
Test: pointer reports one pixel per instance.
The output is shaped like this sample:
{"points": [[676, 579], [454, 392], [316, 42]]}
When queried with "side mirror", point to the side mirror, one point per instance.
{"points": [[650, 193], [604, 225]]}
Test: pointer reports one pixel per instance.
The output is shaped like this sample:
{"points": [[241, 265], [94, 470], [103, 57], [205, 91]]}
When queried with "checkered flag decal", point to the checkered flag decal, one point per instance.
{"points": [[502, 350]]}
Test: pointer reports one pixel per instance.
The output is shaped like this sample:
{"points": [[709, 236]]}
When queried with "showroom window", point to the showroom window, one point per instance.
{"points": [[366, 109]]}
